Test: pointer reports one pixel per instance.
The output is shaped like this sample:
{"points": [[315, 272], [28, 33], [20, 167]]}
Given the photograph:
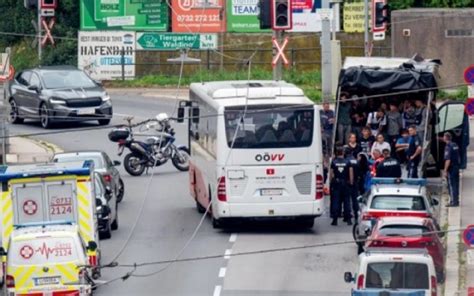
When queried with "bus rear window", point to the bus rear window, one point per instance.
{"points": [[269, 126]]}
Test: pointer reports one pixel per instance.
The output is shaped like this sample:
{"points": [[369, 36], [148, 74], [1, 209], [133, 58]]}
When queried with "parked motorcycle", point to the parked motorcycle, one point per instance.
{"points": [[155, 150]]}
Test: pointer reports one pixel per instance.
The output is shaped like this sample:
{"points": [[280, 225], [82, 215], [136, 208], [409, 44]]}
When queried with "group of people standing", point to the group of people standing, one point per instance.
{"points": [[375, 142]]}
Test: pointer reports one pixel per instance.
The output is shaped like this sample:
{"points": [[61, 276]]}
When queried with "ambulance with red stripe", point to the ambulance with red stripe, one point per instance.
{"points": [[50, 193], [48, 259], [390, 197], [255, 151]]}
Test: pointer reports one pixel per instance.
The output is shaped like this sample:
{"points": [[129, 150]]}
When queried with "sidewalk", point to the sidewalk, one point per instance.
{"points": [[460, 270], [23, 150]]}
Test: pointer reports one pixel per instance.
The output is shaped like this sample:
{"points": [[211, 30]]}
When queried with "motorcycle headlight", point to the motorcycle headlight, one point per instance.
{"points": [[57, 101]]}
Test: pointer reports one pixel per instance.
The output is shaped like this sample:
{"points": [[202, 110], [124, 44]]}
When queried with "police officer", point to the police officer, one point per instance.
{"points": [[452, 162], [341, 176], [389, 167], [413, 152], [354, 189]]}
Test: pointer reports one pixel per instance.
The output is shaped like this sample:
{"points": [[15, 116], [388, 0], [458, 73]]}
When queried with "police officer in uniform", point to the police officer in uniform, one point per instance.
{"points": [[389, 167], [452, 161], [341, 176], [354, 189], [413, 152]]}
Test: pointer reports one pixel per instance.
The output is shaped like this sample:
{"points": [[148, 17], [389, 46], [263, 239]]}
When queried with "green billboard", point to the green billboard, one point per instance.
{"points": [[173, 41], [124, 15], [242, 16]]}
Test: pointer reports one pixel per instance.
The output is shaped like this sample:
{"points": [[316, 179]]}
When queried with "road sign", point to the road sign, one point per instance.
{"points": [[468, 235], [47, 28], [469, 74], [280, 53], [170, 41], [469, 106]]}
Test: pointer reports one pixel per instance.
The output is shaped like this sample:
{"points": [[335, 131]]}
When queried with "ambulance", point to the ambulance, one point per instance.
{"points": [[47, 259], [51, 192]]}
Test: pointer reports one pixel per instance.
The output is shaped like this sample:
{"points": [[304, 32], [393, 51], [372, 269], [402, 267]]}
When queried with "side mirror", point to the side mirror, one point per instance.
{"points": [[195, 114], [434, 202], [108, 191], [98, 202], [180, 118], [2, 252], [98, 82], [348, 278], [34, 88], [92, 246], [117, 163], [360, 199]]}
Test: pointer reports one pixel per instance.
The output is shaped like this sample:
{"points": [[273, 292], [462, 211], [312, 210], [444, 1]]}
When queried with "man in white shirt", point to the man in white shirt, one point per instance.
{"points": [[380, 145]]}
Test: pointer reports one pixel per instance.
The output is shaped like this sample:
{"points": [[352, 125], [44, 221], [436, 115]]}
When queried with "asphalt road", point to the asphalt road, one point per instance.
{"points": [[167, 218]]}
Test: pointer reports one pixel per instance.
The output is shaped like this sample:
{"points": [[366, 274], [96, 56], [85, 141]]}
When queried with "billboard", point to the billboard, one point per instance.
{"points": [[99, 54], [124, 15], [242, 16], [354, 17], [198, 16], [307, 16], [171, 41]]}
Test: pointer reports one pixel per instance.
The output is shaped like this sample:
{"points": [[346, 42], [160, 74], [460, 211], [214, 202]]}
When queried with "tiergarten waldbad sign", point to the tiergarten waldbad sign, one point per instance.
{"points": [[170, 41]]}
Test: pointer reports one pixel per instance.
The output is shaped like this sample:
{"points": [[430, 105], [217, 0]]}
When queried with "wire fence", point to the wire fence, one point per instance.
{"points": [[302, 59]]}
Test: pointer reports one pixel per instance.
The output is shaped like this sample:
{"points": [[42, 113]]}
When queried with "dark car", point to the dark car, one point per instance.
{"points": [[57, 94], [106, 203], [102, 164]]}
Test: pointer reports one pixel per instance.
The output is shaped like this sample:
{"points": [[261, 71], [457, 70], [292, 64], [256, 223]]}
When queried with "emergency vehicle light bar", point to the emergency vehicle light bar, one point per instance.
{"points": [[48, 223], [380, 181], [82, 168]]}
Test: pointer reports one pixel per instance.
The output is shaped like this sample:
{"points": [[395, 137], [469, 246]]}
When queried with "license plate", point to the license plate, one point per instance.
{"points": [[53, 280], [86, 111], [266, 192]]}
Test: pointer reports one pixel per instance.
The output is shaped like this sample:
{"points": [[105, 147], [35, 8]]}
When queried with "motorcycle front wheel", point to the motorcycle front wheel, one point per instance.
{"points": [[134, 164], [181, 159]]}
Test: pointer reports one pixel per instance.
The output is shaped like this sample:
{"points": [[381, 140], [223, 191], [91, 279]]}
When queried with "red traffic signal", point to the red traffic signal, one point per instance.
{"points": [[281, 15], [49, 4], [379, 15]]}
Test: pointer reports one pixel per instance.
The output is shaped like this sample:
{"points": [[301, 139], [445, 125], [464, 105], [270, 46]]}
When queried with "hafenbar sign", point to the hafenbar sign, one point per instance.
{"points": [[100, 54], [170, 41], [124, 15]]}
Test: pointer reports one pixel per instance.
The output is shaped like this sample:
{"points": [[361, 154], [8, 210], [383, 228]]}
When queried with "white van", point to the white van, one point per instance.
{"points": [[382, 270]]}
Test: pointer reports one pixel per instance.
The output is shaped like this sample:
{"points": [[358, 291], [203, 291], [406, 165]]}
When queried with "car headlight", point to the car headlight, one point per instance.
{"points": [[57, 101], [106, 98]]}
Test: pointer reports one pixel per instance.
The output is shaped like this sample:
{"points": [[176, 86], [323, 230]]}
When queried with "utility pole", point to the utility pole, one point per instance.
{"points": [[325, 41], [278, 69], [366, 28], [39, 31]]}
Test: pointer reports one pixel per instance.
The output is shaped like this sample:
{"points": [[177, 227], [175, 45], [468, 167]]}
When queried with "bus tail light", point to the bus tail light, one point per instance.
{"points": [[319, 186], [434, 286], [360, 281], [10, 281], [221, 192]]}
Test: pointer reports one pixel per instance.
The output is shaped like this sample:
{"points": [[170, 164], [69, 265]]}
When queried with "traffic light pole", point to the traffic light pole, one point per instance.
{"points": [[278, 69], [39, 32], [325, 41]]}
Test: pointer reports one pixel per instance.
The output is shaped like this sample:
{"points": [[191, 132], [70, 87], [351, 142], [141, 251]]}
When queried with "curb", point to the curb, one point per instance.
{"points": [[49, 150]]}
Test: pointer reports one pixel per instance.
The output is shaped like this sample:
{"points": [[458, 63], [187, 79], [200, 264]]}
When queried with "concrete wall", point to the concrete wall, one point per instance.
{"points": [[428, 37]]}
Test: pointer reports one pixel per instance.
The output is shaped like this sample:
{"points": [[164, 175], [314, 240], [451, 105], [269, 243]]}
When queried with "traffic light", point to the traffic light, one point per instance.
{"points": [[281, 14], [379, 15], [30, 4], [264, 14]]}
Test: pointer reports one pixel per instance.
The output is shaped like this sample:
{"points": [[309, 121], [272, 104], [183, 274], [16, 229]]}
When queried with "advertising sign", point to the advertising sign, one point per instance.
{"points": [[170, 41], [124, 15], [307, 16], [198, 16], [242, 16], [99, 54], [354, 17]]}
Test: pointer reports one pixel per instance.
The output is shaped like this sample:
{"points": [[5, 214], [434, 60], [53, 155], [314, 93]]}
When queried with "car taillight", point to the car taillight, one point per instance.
{"points": [[122, 142], [360, 281], [319, 186], [434, 286], [10, 281], [367, 217], [108, 178], [221, 192], [428, 243], [376, 243]]}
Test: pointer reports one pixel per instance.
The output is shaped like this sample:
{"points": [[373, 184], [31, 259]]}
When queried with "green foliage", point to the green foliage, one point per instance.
{"points": [[459, 94], [404, 4]]}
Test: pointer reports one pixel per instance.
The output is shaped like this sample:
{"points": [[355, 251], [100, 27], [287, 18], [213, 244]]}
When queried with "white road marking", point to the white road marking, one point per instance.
{"points": [[222, 272], [227, 254], [233, 237], [217, 291], [128, 115]]}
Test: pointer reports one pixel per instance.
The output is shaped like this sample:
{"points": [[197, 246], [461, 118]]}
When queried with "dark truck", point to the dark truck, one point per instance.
{"points": [[374, 81]]}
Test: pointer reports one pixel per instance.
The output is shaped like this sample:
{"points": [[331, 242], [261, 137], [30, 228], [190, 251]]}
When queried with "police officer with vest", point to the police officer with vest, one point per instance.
{"points": [[452, 161], [389, 167], [413, 152], [341, 176], [354, 189]]}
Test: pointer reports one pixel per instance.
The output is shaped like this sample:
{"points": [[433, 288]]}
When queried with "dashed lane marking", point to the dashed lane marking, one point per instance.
{"points": [[222, 272], [227, 254], [217, 291], [233, 237]]}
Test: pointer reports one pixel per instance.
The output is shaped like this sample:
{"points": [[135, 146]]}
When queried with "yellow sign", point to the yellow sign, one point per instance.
{"points": [[354, 17]]}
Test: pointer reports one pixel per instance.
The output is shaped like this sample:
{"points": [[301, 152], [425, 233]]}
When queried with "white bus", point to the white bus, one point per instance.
{"points": [[255, 151]]}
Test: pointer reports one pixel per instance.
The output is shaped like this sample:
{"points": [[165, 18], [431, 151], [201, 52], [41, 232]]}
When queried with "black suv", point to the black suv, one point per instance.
{"points": [[57, 94]]}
